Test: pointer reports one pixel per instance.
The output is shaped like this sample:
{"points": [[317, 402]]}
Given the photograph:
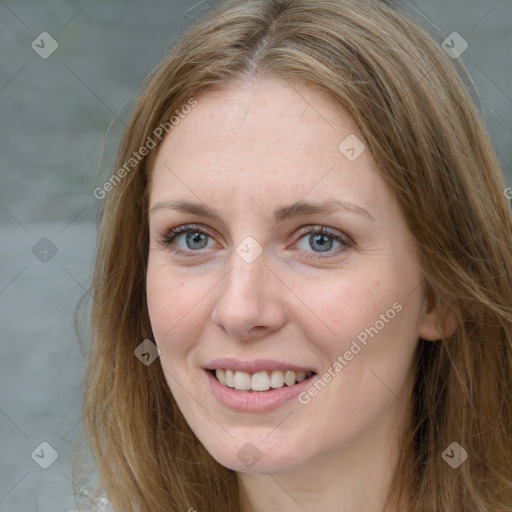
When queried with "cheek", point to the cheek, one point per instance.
{"points": [[375, 320], [342, 306], [375, 309], [171, 304]]}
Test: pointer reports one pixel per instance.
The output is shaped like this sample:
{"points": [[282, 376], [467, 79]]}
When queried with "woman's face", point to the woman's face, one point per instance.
{"points": [[251, 288]]}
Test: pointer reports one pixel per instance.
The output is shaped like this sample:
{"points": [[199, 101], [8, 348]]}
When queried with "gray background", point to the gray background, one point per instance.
{"points": [[55, 114]]}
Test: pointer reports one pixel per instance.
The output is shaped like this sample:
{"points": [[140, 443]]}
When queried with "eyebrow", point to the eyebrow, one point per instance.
{"points": [[298, 209]]}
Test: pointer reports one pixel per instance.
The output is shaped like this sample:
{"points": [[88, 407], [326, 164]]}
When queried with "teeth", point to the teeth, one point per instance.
{"points": [[230, 378], [300, 376], [242, 380], [276, 379], [221, 375], [289, 378], [260, 381]]}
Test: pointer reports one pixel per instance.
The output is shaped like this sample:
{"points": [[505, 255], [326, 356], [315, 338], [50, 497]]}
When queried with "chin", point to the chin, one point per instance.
{"points": [[257, 456]]}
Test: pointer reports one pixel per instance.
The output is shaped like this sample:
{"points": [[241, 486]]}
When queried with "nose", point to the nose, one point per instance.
{"points": [[250, 301]]}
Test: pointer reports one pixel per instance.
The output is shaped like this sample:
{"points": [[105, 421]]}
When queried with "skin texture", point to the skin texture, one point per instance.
{"points": [[245, 151]]}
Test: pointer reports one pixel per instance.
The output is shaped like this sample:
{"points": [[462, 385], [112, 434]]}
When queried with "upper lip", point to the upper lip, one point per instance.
{"points": [[254, 366]]}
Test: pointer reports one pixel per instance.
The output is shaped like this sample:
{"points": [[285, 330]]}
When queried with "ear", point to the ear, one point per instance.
{"points": [[438, 322]]}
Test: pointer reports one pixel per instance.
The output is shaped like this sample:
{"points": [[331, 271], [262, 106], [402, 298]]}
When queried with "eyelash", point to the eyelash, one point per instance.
{"points": [[169, 237]]}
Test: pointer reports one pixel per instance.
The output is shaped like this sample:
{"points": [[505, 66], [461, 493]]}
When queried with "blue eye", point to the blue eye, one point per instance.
{"points": [[195, 239], [320, 239]]}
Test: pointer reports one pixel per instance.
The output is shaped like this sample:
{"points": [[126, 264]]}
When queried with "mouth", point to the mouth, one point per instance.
{"points": [[259, 382]]}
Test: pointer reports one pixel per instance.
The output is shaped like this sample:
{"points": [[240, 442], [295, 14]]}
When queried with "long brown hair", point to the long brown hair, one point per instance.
{"points": [[420, 125]]}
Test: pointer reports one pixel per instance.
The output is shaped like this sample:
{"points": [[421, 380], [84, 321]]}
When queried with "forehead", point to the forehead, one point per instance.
{"points": [[271, 110], [256, 140]]}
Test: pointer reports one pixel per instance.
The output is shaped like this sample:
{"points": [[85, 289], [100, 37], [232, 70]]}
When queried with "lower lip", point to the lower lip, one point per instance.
{"points": [[256, 401]]}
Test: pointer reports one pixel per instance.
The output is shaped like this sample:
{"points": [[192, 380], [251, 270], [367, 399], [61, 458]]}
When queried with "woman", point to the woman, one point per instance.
{"points": [[302, 292]]}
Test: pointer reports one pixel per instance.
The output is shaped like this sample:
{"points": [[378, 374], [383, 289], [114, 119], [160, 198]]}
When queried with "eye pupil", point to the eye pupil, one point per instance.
{"points": [[325, 241], [196, 237]]}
